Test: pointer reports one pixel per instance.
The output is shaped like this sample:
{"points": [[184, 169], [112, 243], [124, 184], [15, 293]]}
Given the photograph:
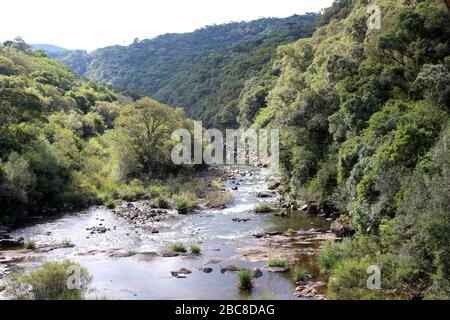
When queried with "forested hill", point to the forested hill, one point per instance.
{"points": [[203, 72], [365, 134], [67, 142]]}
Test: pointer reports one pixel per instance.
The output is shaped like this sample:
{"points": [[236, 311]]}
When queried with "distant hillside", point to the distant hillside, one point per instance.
{"points": [[47, 47], [203, 71]]}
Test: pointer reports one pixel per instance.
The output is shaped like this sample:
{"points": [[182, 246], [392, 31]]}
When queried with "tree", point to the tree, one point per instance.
{"points": [[19, 44], [147, 130]]}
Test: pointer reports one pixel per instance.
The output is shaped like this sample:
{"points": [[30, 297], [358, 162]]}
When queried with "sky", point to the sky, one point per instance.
{"points": [[91, 24]]}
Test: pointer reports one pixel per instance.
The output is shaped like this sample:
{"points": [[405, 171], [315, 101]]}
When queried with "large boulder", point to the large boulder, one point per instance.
{"points": [[181, 273], [341, 230]]}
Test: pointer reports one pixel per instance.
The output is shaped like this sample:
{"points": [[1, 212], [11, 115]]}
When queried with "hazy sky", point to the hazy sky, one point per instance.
{"points": [[90, 24]]}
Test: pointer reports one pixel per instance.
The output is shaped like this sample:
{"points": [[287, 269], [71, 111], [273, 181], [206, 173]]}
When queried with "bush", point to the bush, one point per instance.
{"points": [[161, 203], [195, 249], [263, 208], [177, 247], [67, 243], [349, 282], [30, 244], [277, 263], [333, 252], [51, 282], [218, 199], [299, 273], [245, 279], [185, 203]]}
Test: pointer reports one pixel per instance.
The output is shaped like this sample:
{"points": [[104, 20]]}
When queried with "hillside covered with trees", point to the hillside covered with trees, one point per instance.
{"points": [[364, 116], [67, 142], [206, 72]]}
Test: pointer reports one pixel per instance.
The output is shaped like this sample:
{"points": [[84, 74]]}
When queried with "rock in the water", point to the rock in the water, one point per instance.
{"points": [[169, 254], [181, 273], [257, 273], [241, 219], [230, 268], [97, 230], [277, 269], [263, 195], [234, 188], [274, 233], [259, 235], [207, 270], [274, 186], [122, 254]]}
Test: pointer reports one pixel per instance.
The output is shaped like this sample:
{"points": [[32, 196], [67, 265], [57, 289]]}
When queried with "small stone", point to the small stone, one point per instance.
{"points": [[257, 273]]}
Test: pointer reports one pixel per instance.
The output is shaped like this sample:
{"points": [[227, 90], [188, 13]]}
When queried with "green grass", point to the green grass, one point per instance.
{"points": [[281, 263], [299, 273], [30, 244], [290, 231], [178, 247], [245, 277], [263, 208], [195, 249]]}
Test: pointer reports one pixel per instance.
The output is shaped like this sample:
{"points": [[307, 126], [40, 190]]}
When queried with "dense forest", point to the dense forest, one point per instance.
{"points": [[207, 72], [364, 116], [67, 142]]}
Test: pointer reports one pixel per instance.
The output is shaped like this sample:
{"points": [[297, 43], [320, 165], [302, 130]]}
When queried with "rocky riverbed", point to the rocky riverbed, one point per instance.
{"points": [[127, 249]]}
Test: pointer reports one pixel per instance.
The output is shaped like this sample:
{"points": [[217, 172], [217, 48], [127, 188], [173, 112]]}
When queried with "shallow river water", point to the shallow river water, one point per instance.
{"points": [[147, 275]]}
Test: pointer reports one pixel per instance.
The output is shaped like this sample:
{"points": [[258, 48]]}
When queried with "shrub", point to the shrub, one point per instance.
{"points": [[30, 244], [178, 247], [299, 273], [50, 282], [334, 252], [218, 199], [195, 249], [245, 279], [331, 253], [263, 208], [216, 184], [277, 263], [349, 282], [67, 243], [185, 203], [161, 203]]}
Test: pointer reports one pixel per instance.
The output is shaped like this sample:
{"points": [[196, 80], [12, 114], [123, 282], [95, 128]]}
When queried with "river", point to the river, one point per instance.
{"points": [[145, 274]]}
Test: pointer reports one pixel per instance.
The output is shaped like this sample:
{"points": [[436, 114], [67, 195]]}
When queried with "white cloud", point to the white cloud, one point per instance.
{"points": [[89, 24]]}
